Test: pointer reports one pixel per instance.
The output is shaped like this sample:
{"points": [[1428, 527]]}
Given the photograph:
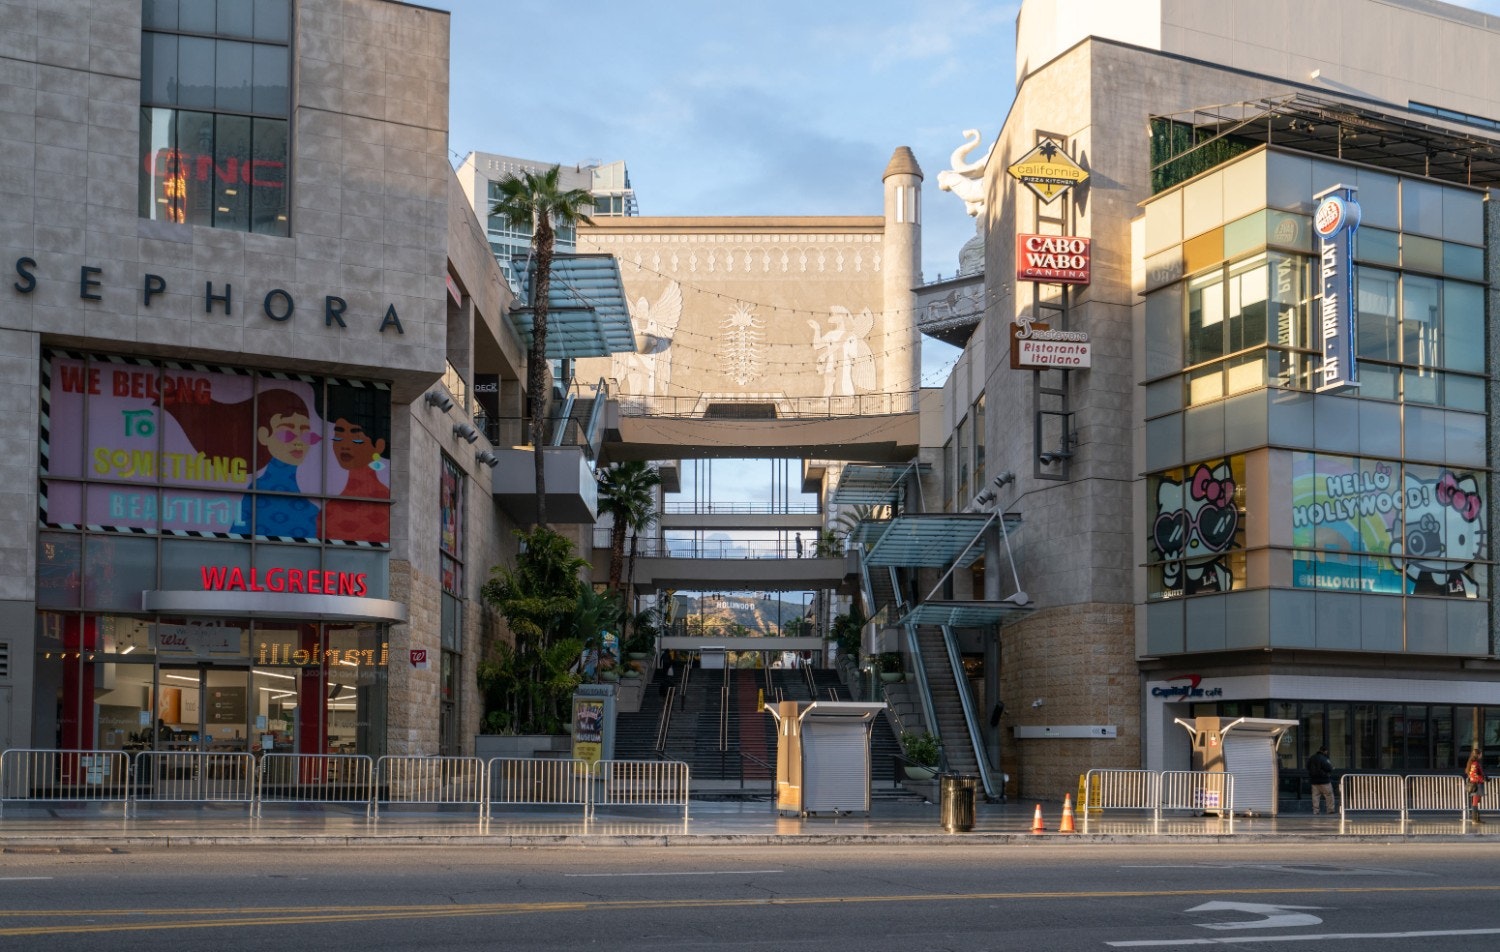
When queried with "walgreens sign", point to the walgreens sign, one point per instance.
{"points": [[1052, 259]]}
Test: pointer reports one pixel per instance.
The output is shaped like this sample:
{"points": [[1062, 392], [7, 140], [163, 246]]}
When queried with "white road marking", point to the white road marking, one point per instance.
{"points": [[706, 872], [1324, 937], [21, 879], [1272, 917]]}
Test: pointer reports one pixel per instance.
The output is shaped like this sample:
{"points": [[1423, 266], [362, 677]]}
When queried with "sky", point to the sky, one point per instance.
{"points": [[769, 107]]}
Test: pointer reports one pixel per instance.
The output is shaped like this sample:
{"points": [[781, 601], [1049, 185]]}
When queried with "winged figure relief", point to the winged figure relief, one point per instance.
{"points": [[843, 352], [648, 370]]}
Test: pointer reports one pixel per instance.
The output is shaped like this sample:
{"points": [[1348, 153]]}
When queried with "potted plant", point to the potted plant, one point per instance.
{"points": [[922, 755], [890, 667]]}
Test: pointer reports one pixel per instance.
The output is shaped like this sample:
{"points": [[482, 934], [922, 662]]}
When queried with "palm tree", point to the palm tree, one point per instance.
{"points": [[627, 492], [538, 202]]}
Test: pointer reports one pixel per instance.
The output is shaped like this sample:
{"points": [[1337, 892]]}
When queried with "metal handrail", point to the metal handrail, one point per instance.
{"points": [[596, 413], [724, 691], [924, 693], [664, 720], [812, 684]]}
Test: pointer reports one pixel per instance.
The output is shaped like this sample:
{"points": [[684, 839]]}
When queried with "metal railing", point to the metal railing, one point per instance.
{"points": [[96, 776], [664, 720], [433, 781], [640, 783], [704, 507], [1198, 791], [1120, 790], [1372, 793], [99, 776], [192, 776], [517, 781], [316, 778], [715, 406]]}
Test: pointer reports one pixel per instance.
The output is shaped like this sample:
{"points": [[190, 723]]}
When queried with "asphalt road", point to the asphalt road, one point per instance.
{"points": [[820, 899]]}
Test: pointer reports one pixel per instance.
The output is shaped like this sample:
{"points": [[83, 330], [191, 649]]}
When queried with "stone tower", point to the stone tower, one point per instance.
{"points": [[901, 267]]}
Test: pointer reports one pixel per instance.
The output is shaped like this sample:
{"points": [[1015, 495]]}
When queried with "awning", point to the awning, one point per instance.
{"points": [[966, 614], [872, 485], [933, 539], [587, 313]]}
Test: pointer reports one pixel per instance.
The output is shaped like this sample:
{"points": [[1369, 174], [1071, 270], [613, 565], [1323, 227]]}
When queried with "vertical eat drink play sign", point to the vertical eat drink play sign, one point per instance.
{"points": [[1336, 218]]}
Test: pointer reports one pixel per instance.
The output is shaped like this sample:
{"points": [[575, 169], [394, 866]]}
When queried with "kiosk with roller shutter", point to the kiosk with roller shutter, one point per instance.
{"points": [[823, 755], [1244, 747]]}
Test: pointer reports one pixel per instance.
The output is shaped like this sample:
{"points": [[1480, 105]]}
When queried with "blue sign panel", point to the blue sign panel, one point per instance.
{"points": [[1336, 218]]}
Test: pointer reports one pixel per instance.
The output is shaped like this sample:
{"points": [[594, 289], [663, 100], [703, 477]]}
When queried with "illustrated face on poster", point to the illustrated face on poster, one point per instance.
{"points": [[1197, 521], [358, 464]]}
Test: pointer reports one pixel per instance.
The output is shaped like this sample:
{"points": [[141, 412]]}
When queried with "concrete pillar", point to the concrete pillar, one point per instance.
{"points": [[901, 270]]}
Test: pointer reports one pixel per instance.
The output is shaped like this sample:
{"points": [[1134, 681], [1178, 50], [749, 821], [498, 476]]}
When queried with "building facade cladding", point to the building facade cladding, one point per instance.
{"points": [[138, 342], [1085, 549]]}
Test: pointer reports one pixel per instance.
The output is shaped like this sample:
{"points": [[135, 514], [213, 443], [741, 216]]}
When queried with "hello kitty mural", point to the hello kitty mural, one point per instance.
{"points": [[1381, 527], [1444, 535], [1196, 523]]}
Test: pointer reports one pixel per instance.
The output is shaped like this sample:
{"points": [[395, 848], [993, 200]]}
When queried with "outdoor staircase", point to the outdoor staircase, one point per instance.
{"points": [[750, 757], [951, 728]]}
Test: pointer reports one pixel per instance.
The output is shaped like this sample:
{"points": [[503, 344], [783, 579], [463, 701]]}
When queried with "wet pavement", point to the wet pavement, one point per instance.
{"points": [[26, 826]]}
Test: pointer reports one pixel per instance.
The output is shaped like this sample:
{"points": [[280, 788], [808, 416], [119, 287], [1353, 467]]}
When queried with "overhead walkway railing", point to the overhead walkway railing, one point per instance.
{"points": [[739, 406]]}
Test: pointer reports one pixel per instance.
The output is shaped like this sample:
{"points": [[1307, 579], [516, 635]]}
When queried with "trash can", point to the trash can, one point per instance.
{"points": [[956, 801]]}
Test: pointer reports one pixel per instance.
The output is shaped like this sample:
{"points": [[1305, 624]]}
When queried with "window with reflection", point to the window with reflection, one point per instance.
{"points": [[215, 101], [1197, 529]]}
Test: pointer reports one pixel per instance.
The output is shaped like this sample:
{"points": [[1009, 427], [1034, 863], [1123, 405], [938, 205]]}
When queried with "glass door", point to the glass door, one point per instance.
{"points": [[202, 707]]}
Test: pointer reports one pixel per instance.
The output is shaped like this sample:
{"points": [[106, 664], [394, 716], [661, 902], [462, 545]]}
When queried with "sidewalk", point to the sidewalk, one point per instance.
{"points": [[24, 827]]}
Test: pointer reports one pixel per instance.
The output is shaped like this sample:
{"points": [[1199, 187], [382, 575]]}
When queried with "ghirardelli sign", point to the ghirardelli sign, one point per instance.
{"points": [[1052, 259]]}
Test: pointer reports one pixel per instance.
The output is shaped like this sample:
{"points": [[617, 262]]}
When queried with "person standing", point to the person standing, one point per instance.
{"points": [[799, 545], [1474, 774], [1320, 775]]}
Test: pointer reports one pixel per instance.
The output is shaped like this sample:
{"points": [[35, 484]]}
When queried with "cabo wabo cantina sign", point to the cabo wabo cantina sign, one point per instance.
{"points": [[1052, 259]]}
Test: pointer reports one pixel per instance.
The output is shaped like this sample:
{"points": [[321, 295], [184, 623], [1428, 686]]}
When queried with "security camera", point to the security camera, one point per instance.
{"points": [[1037, 703]]}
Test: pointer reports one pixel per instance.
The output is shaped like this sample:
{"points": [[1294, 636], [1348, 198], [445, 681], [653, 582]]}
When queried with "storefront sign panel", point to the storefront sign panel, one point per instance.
{"points": [[1335, 221], [1053, 259], [1038, 347]]}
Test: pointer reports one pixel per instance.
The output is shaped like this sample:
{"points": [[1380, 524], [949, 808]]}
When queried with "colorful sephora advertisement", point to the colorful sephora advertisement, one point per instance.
{"points": [[1379, 526], [143, 447]]}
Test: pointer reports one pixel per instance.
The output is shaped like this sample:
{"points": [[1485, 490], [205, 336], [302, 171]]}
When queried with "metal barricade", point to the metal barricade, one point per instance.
{"points": [[74, 776], [438, 781], [640, 783], [1427, 793], [194, 776], [1119, 790], [1372, 793], [547, 781], [316, 778], [1199, 791]]}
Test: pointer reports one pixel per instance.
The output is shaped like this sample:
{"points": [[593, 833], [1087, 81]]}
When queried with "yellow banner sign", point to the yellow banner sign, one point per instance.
{"points": [[1048, 171]]}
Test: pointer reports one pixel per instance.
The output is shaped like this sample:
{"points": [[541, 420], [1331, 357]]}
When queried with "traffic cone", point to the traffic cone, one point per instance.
{"points": [[1067, 818], [1037, 824]]}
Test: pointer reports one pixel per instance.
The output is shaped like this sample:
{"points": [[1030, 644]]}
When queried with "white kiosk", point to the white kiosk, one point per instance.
{"points": [[1244, 747], [823, 755]]}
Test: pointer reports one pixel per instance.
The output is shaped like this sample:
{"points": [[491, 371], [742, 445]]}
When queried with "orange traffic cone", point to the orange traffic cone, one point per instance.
{"points": [[1067, 818], [1037, 824]]}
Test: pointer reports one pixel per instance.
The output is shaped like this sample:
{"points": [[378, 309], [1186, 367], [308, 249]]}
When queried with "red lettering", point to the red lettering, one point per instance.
{"points": [[330, 583], [72, 379], [346, 583], [213, 578], [276, 580], [294, 580], [236, 581], [359, 584], [315, 582], [255, 581]]}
